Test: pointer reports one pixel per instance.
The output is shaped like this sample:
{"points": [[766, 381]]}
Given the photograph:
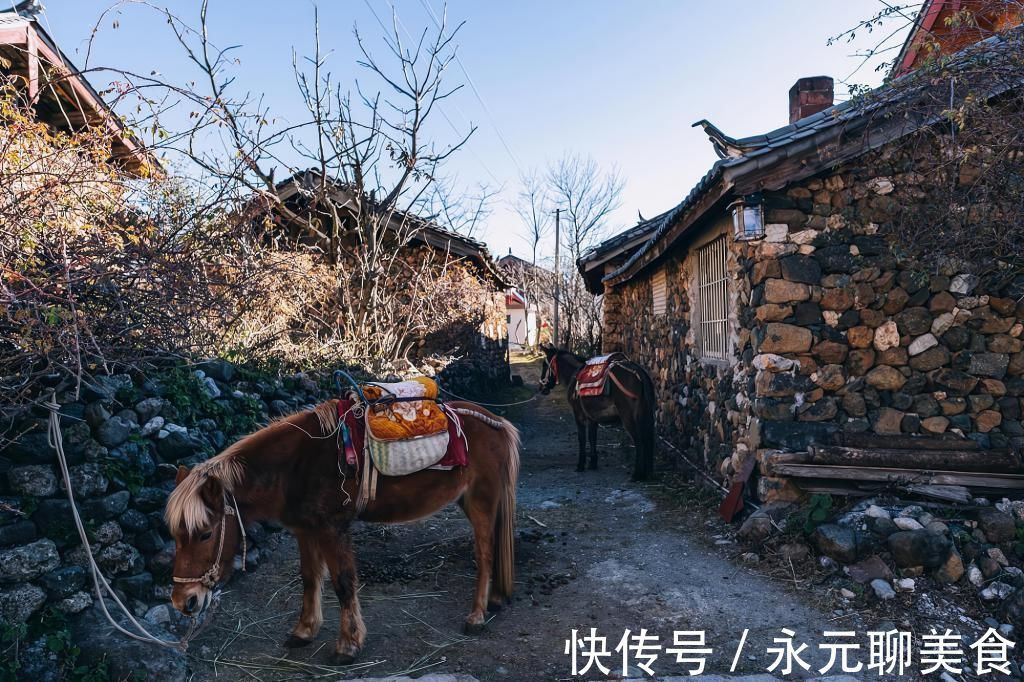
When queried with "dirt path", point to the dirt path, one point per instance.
{"points": [[594, 551]]}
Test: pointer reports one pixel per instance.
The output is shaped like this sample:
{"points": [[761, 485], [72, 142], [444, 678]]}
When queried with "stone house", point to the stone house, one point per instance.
{"points": [[479, 335], [776, 306]]}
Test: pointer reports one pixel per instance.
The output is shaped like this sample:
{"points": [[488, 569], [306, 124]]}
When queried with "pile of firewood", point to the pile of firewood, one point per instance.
{"points": [[947, 469]]}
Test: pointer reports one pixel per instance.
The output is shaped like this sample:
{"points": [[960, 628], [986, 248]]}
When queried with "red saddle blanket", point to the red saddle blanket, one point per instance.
{"points": [[456, 455], [590, 381]]}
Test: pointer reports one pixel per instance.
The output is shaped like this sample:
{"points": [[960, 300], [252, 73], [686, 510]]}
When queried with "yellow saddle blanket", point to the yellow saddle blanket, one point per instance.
{"points": [[404, 419]]}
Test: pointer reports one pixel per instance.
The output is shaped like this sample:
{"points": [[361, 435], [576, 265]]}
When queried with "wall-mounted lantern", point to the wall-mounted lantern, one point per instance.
{"points": [[748, 218]]}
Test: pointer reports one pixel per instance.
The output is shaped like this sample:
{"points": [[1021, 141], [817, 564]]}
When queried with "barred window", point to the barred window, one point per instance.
{"points": [[659, 292], [713, 301]]}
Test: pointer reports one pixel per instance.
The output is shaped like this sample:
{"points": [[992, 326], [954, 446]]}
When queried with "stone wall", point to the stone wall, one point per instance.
{"points": [[703, 406], [123, 440], [879, 342], [848, 330], [481, 364]]}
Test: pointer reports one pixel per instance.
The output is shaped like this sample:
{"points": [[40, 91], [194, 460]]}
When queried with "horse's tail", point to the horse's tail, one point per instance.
{"points": [[505, 521], [647, 429]]}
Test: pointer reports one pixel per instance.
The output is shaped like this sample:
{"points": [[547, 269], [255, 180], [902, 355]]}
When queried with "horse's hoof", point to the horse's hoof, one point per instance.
{"points": [[473, 628], [294, 642], [345, 657], [495, 606]]}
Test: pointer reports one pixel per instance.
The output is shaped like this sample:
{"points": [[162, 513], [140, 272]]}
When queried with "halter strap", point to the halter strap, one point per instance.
{"points": [[212, 574], [553, 366]]}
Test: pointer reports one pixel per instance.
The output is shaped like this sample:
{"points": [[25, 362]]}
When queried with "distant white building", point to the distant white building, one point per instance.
{"points": [[527, 315], [522, 321]]}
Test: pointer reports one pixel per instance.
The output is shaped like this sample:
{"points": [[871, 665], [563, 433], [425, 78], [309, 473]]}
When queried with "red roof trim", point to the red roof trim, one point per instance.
{"points": [[930, 12]]}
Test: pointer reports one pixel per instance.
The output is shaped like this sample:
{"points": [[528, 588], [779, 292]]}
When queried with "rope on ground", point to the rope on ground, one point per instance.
{"points": [[694, 466], [100, 584]]}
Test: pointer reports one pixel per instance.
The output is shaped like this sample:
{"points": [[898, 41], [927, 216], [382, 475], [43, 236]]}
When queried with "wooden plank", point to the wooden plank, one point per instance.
{"points": [[947, 493], [988, 461], [938, 442], [901, 476], [958, 495], [32, 54], [769, 460]]}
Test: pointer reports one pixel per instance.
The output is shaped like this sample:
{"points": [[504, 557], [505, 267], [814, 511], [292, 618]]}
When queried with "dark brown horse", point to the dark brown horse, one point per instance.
{"points": [[291, 472], [630, 401]]}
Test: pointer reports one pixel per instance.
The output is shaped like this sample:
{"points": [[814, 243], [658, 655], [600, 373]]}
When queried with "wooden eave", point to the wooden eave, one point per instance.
{"points": [[593, 267], [426, 233], [922, 26], [75, 92]]}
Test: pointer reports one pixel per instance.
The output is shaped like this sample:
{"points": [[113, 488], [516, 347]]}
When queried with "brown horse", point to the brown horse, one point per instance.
{"points": [[630, 401], [291, 471]]}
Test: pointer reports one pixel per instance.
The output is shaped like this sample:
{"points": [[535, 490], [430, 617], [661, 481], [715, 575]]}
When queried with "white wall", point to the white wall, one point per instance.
{"points": [[522, 327]]}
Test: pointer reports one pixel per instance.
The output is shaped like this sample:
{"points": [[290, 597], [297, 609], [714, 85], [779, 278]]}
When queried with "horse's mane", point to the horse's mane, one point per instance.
{"points": [[577, 358], [186, 509]]}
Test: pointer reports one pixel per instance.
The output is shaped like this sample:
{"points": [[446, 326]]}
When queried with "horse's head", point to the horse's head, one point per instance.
{"points": [[203, 518], [548, 369]]}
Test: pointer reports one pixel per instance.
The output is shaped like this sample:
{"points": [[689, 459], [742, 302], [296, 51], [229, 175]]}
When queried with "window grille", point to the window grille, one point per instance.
{"points": [[659, 292], [713, 301]]}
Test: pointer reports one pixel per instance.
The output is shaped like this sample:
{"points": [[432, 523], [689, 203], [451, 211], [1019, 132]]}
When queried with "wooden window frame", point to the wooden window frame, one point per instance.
{"points": [[714, 340], [659, 280]]}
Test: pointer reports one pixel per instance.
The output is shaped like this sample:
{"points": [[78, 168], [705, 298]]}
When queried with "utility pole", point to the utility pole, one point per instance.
{"points": [[558, 274]]}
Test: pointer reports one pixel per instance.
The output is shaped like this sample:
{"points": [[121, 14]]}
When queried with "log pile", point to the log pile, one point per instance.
{"points": [[943, 469]]}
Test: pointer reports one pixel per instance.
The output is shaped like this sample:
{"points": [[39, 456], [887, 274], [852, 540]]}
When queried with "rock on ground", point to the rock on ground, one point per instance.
{"points": [[127, 658]]}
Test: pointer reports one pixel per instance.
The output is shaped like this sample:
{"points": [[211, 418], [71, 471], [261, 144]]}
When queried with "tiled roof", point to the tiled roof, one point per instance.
{"points": [[762, 151], [305, 179]]}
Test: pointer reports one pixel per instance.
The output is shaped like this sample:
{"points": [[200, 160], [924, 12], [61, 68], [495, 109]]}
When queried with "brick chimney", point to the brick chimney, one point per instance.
{"points": [[809, 96]]}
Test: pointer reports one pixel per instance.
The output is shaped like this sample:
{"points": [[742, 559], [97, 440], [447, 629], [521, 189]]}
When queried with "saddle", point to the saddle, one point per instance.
{"points": [[400, 429], [592, 379]]}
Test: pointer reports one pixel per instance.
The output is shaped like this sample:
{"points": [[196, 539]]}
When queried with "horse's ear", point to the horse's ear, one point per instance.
{"points": [[212, 493], [182, 473]]}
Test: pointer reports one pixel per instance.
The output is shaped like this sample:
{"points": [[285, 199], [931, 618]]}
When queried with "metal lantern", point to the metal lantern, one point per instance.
{"points": [[748, 218]]}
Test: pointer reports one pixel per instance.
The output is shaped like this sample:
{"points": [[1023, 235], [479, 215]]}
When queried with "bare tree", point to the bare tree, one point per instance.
{"points": [[462, 211], [366, 163], [533, 208], [587, 196]]}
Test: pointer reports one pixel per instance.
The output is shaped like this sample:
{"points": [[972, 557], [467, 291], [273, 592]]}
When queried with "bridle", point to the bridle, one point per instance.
{"points": [[212, 575], [551, 380]]}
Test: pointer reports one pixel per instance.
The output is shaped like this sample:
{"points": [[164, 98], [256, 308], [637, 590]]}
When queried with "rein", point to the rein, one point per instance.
{"points": [[212, 575], [477, 402], [553, 367], [101, 585]]}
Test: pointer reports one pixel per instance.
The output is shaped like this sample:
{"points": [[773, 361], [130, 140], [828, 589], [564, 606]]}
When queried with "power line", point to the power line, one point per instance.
{"points": [[472, 85], [440, 108]]}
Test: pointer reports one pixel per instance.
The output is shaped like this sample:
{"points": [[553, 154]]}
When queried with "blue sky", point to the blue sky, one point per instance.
{"points": [[619, 81]]}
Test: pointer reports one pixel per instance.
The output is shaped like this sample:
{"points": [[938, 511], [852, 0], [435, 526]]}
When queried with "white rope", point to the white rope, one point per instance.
{"points": [[477, 402], [56, 441], [493, 423]]}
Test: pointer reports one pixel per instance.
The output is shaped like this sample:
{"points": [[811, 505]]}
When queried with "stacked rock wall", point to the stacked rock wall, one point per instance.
{"points": [[703, 405], [123, 441], [881, 342], [848, 330]]}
